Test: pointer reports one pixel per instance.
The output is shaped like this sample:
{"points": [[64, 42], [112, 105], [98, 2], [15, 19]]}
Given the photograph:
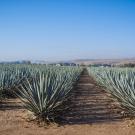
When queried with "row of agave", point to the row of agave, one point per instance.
{"points": [[119, 82], [11, 76], [42, 89]]}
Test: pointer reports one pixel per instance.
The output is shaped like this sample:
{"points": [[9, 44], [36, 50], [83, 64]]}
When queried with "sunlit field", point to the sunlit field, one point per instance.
{"points": [[42, 95], [67, 67]]}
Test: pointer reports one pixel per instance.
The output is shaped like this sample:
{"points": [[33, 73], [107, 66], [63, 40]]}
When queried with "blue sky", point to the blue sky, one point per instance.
{"points": [[66, 29]]}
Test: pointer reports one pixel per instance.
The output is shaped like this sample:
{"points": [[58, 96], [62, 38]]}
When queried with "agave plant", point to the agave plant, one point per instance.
{"points": [[118, 82], [44, 94], [10, 79]]}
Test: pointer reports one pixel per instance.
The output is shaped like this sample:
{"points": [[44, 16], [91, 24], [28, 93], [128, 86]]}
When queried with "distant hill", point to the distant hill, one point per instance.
{"points": [[78, 61], [104, 61]]}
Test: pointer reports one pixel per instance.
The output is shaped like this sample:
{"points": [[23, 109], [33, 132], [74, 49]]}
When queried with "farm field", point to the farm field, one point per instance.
{"points": [[67, 67], [92, 109]]}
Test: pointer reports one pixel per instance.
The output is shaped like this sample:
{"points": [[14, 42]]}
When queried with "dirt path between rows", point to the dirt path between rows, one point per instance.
{"points": [[91, 104], [93, 112]]}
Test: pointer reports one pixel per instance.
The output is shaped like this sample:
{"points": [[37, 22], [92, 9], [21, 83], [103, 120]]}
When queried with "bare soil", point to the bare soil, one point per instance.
{"points": [[92, 112]]}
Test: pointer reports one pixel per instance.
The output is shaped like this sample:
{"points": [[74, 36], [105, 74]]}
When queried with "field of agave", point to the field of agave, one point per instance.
{"points": [[42, 89], [119, 82]]}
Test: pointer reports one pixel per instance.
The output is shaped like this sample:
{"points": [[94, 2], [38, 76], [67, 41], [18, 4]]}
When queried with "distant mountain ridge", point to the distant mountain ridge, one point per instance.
{"points": [[104, 61], [77, 61]]}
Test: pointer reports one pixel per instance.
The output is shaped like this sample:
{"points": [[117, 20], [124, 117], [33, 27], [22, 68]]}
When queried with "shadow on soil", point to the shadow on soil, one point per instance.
{"points": [[10, 105], [90, 104]]}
